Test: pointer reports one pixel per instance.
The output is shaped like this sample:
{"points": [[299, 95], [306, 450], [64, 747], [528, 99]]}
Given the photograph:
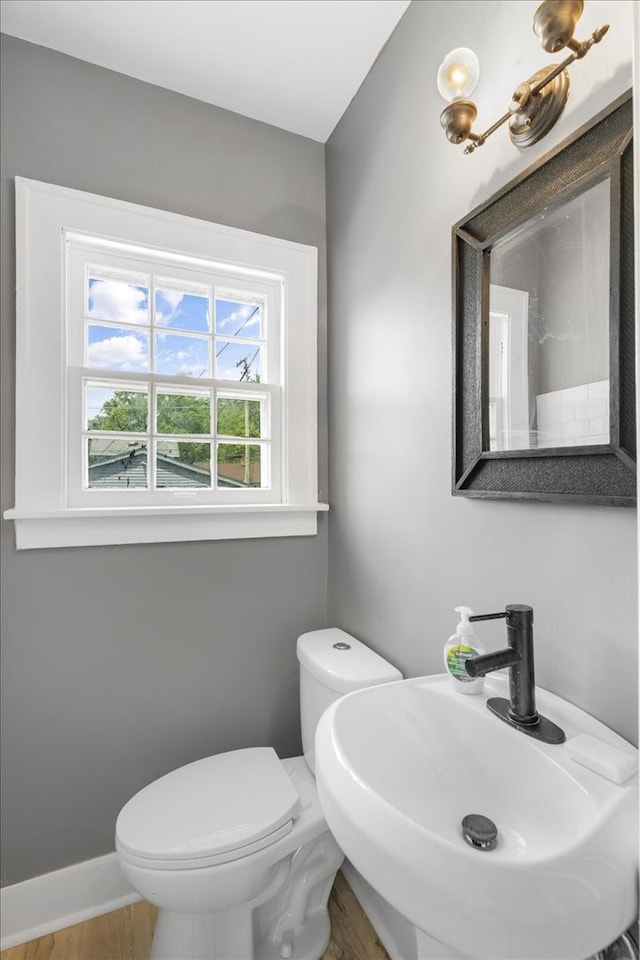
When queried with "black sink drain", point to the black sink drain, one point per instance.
{"points": [[479, 831]]}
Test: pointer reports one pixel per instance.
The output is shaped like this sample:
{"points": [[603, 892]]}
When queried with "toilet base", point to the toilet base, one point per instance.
{"points": [[289, 920], [199, 936]]}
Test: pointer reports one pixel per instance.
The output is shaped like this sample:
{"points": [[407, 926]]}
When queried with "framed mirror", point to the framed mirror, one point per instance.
{"points": [[544, 340]]}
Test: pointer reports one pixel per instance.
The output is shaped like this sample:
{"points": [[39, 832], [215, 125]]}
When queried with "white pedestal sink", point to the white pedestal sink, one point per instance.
{"points": [[399, 766]]}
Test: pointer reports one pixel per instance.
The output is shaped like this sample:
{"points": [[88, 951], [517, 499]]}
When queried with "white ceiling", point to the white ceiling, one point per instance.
{"points": [[293, 63]]}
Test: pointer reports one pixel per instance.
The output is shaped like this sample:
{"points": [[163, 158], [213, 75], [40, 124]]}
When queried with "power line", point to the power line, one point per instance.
{"points": [[243, 324]]}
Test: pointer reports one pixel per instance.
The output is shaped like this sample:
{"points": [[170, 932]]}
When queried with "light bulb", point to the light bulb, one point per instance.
{"points": [[458, 74]]}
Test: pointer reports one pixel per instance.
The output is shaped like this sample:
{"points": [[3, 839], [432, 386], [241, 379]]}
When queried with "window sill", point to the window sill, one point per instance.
{"points": [[78, 527]]}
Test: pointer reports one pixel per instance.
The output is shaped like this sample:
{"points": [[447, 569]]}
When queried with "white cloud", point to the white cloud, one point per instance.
{"points": [[118, 301], [228, 371], [235, 319], [119, 353], [173, 299]]}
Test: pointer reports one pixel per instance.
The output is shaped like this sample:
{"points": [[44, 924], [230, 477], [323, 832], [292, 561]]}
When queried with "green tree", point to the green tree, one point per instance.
{"points": [[125, 412], [181, 413], [238, 418]]}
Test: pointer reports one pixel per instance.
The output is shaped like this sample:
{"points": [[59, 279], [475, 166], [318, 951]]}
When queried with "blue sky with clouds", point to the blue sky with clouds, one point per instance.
{"points": [[179, 352]]}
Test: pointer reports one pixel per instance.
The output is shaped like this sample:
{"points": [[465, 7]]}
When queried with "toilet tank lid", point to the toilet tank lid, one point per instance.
{"points": [[212, 806], [343, 668]]}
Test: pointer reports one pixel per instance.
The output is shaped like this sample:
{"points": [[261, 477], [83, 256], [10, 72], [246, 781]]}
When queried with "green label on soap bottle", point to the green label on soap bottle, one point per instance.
{"points": [[456, 658]]}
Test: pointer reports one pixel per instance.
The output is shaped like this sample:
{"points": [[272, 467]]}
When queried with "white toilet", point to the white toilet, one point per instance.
{"points": [[234, 849]]}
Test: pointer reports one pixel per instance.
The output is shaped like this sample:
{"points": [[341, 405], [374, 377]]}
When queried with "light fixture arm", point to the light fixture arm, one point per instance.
{"points": [[538, 102]]}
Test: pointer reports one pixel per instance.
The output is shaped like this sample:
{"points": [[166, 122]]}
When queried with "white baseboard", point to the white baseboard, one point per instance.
{"points": [[56, 900]]}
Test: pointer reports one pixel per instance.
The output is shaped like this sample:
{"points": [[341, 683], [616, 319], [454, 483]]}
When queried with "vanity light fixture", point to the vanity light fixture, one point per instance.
{"points": [[537, 103]]}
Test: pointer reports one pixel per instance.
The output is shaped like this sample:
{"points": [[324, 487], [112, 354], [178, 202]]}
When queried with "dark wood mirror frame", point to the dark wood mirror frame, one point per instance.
{"points": [[603, 474]]}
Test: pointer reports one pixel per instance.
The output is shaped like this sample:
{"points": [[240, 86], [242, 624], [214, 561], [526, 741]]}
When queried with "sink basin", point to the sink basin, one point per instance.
{"points": [[398, 766]]}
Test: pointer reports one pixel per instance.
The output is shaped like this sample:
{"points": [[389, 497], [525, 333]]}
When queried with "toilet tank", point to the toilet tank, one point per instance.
{"points": [[333, 663]]}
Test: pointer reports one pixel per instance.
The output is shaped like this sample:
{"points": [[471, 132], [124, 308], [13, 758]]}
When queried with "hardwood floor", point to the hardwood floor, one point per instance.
{"points": [[352, 936], [126, 935]]}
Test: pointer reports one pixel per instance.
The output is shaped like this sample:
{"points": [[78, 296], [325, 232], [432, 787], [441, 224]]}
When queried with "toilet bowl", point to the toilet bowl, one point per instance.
{"points": [[264, 898], [234, 848]]}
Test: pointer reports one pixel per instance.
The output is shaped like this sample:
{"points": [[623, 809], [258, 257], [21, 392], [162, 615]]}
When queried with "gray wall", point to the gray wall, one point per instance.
{"points": [[120, 663], [402, 551]]}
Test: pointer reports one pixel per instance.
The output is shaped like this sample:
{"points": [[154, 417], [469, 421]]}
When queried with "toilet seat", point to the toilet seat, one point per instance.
{"points": [[213, 811]]}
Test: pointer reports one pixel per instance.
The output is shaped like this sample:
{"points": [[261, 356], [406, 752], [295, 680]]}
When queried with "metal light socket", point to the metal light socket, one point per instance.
{"points": [[457, 120], [554, 23]]}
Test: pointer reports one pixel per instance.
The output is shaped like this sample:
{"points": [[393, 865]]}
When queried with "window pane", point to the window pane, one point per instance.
{"points": [[118, 301], [183, 413], [183, 464], [237, 319], [239, 465], [109, 409], [238, 361], [182, 356], [112, 348], [116, 463], [239, 418], [187, 311]]}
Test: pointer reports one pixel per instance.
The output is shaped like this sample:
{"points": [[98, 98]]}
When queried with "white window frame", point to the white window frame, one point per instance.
{"points": [[45, 514]]}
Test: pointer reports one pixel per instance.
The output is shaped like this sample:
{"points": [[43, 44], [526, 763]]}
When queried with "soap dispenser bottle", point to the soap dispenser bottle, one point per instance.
{"points": [[459, 648]]}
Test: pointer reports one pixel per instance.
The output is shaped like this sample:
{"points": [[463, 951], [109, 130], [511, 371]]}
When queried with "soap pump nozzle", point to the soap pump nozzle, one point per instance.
{"points": [[464, 628]]}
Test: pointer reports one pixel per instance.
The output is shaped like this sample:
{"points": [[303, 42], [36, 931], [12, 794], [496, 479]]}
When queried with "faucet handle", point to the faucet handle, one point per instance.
{"points": [[519, 613], [489, 616]]}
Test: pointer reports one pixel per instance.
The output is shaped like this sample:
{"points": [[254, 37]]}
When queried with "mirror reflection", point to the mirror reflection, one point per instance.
{"points": [[548, 351]]}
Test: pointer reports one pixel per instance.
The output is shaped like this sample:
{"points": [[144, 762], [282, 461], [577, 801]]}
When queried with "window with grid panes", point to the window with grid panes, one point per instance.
{"points": [[178, 359], [174, 380]]}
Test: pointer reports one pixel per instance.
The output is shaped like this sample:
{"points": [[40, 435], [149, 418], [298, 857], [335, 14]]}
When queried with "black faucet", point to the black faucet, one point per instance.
{"points": [[520, 710]]}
